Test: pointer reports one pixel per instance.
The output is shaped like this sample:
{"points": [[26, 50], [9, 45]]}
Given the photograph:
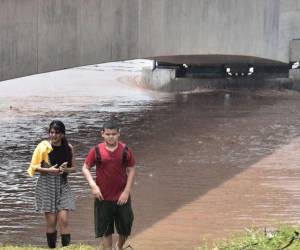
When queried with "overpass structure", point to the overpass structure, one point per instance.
{"points": [[39, 36]]}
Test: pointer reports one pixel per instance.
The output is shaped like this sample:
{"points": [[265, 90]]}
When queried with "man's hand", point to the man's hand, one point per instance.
{"points": [[96, 192], [123, 198]]}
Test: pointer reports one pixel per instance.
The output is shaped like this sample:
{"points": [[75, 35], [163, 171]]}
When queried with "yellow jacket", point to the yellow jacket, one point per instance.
{"points": [[40, 154]]}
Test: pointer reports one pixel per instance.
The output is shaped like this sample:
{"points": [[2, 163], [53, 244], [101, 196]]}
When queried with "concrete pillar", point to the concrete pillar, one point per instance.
{"points": [[295, 77], [158, 78], [295, 50]]}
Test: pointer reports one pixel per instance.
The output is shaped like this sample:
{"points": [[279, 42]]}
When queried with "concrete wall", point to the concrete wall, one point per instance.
{"points": [[209, 27], [18, 38], [39, 36], [81, 32]]}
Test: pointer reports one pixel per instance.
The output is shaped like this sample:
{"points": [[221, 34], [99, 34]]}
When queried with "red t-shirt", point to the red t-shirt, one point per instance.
{"points": [[111, 176]]}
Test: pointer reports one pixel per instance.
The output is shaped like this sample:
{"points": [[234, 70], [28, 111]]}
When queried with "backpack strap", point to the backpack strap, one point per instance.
{"points": [[125, 156], [98, 155]]}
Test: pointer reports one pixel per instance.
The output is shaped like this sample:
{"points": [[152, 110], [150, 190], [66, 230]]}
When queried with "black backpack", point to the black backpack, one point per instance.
{"points": [[124, 156]]}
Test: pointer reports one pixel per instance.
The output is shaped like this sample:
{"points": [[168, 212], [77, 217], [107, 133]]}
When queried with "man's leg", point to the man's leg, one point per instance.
{"points": [[107, 242], [104, 222], [124, 220], [121, 241]]}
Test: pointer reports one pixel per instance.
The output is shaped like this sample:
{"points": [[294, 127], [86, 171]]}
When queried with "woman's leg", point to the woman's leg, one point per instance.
{"points": [[51, 220], [63, 221]]}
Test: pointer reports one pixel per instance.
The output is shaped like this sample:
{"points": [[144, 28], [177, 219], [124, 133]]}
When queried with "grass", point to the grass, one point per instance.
{"points": [[71, 247], [283, 238]]}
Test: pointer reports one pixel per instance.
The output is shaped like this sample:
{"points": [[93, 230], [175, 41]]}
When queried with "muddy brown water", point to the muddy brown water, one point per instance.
{"points": [[209, 164]]}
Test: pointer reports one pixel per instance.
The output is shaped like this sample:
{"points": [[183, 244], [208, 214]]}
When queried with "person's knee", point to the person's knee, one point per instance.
{"points": [[63, 219], [63, 222]]}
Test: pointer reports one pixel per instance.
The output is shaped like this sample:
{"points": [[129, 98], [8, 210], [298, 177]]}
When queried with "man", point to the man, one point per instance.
{"points": [[115, 171]]}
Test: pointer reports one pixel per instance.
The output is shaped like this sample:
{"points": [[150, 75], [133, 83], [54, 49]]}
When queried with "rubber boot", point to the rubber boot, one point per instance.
{"points": [[65, 239], [51, 239]]}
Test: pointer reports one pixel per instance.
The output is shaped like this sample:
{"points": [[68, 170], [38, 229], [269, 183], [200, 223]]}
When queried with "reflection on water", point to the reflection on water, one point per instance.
{"points": [[186, 144]]}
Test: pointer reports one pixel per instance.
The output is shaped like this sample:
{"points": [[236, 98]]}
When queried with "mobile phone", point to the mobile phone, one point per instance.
{"points": [[64, 165]]}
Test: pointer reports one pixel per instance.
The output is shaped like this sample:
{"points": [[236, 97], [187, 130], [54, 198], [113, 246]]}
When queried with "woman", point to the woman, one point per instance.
{"points": [[54, 159]]}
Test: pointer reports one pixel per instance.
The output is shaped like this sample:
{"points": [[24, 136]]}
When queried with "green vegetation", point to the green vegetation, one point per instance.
{"points": [[283, 238], [71, 247]]}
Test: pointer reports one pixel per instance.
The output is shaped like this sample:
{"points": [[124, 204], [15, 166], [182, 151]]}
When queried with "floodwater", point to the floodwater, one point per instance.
{"points": [[210, 163]]}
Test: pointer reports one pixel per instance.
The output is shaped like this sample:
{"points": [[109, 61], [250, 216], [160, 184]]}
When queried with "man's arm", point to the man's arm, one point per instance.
{"points": [[130, 180], [88, 176]]}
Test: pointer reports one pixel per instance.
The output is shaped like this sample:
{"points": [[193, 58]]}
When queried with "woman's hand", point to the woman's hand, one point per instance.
{"points": [[63, 168], [54, 170]]}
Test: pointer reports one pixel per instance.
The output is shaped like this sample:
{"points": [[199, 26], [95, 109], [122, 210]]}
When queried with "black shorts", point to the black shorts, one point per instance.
{"points": [[109, 214]]}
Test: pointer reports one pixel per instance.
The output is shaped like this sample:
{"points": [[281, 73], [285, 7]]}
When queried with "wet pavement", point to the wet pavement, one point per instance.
{"points": [[209, 163]]}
